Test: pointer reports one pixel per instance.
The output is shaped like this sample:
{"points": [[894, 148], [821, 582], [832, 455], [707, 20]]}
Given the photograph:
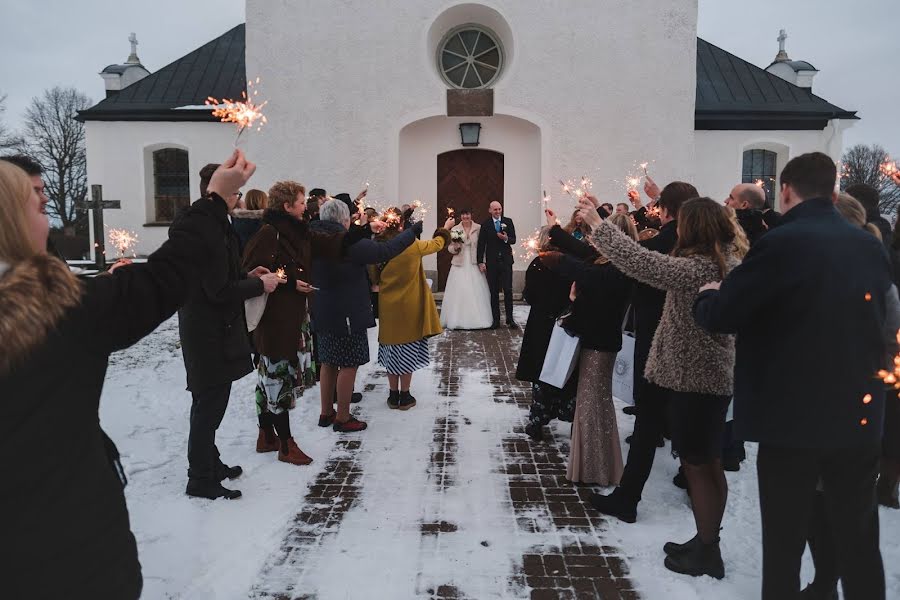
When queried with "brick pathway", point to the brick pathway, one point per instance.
{"points": [[565, 556]]}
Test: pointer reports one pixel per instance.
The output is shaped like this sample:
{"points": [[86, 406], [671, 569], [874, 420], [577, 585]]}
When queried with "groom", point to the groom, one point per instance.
{"points": [[495, 258]]}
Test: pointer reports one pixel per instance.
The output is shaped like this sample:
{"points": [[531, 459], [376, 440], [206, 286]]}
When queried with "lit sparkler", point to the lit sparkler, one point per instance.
{"points": [[243, 113], [280, 274], [759, 183], [889, 168], [531, 245], [632, 182], [450, 212], [123, 240], [644, 167]]}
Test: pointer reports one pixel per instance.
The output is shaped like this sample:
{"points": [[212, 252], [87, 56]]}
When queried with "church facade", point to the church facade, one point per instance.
{"points": [[459, 104]]}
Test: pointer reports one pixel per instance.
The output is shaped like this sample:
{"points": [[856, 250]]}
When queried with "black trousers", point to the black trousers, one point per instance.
{"points": [[207, 411], [499, 276], [649, 425], [787, 488]]}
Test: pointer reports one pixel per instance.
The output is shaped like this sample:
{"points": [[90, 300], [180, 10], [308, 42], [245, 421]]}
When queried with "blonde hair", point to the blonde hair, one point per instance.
{"points": [[855, 213], [285, 192], [15, 192], [256, 200], [626, 224]]}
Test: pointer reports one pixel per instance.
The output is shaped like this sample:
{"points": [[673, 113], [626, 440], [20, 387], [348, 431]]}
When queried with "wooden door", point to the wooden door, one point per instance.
{"points": [[466, 179]]}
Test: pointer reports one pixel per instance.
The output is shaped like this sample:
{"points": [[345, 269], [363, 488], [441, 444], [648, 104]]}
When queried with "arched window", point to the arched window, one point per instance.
{"points": [[171, 182], [759, 168], [470, 57]]}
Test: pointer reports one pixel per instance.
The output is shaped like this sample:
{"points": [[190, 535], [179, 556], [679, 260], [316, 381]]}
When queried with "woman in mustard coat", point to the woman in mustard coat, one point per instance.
{"points": [[407, 313]]}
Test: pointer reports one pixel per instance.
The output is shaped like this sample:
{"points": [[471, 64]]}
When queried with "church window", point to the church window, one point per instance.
{"points": [[171, 182], [470, 57], [759, 168]]}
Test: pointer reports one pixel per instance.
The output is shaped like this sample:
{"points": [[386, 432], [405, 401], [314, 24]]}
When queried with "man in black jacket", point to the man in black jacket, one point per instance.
{"points": [[869, 197], [214, 338], [743, 199], [650, 399], [805, 383], [495, 257]]}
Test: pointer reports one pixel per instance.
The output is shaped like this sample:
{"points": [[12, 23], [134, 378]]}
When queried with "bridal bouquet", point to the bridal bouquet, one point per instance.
{"points": [[457, 237]]}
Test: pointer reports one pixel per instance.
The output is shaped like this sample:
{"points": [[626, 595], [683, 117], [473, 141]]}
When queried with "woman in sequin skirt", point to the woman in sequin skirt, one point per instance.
{"points": [[600, 297]]}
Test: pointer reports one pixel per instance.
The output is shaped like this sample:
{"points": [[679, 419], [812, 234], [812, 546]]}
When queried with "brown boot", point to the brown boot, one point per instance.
{"points": [[294, 455], [888, 483], [267, 440]]}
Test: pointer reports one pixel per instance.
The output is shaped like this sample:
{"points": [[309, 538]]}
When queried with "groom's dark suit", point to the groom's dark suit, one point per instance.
{"points": [[497, 256]]}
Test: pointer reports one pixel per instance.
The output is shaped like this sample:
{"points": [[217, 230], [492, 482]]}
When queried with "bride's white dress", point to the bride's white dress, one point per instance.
{"points": [[467, 299]]}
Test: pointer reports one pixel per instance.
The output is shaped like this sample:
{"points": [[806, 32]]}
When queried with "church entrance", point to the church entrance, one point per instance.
{"points": [[466, 179]]}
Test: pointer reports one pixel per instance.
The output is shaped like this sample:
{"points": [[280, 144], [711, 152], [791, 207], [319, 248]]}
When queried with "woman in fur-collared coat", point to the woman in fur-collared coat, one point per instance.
{"points": [[66, 530], [694, 366]]}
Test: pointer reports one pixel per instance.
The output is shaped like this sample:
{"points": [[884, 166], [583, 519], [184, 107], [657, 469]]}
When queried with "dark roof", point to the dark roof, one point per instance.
{"points": [[796, 65], [735, 94], [731, 93], [214, 69]]}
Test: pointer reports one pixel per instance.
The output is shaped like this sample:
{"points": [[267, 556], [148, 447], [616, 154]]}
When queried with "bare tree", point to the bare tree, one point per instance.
{"points": [[56, 140], [8, 139], [863, 164]]}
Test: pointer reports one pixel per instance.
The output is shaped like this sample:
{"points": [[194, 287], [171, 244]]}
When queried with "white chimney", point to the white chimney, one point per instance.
{"points": [[118, 77]]}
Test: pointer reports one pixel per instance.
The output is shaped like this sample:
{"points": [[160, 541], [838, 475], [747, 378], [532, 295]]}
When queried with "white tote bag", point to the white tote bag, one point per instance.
{"points": [[561, 358], [254, 309], [623, 371]]}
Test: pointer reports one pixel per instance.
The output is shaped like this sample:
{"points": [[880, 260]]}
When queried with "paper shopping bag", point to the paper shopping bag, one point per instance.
{"points": [[561, 358], [254, 309]]}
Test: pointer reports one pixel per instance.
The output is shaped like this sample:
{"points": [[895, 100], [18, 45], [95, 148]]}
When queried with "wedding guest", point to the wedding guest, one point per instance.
{"points": [[695, 368], [248, 220], [467, 298], [576, 227], [284, 244], [608, 209], [651, 400], [317, 197], [342, 312], [67, 517], [35, 173], [621, 208], [813, 266], [602, 294], [408, 313], [742, 199], [548, 296], [869, 197]]}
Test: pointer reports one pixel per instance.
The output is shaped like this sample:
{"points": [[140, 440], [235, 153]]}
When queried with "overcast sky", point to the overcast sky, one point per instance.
{"points": [[855, 45]]}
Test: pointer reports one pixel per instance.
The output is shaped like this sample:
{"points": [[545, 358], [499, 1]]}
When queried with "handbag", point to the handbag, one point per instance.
{"points": [[561, 357], [623, 371], [254, 309]]}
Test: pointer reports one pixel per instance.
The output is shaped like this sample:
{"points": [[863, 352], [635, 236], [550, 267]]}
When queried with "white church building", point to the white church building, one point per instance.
{"points": [[377, 92]]}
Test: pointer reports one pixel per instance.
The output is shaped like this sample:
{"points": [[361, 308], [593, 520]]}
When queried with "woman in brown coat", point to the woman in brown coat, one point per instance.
{"points": [[285, 245], [694, 366]]}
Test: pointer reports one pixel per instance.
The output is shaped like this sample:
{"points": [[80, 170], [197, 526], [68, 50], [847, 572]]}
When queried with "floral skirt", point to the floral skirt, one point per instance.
{"points": [[343, 350], [280, 382]]}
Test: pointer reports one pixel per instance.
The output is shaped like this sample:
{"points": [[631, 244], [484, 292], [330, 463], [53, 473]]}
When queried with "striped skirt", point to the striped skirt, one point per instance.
{"points": [[400, 359]]}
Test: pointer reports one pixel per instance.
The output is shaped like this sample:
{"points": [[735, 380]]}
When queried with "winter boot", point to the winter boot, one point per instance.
{"points": [[535, 431], [673, 549], [394, 399], [815, 592], [406, 401], [350, 425], [616, 506], [327, 420], [267, 440], [224, 472], [294, 454], [211, 490], [702, 559]]}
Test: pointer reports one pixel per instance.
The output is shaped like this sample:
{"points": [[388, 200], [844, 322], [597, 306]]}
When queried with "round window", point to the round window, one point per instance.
{"points": [[470, 57]]}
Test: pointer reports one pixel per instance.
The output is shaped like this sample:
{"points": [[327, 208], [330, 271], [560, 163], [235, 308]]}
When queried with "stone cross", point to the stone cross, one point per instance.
{"points": [[133, 57], [97, 205], [782, 37]]}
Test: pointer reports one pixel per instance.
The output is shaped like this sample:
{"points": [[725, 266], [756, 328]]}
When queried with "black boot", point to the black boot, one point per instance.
{"points": [[702, 559], [680, 480], [406, 401], [204, 488], [673, 549], [535, 431], [814, 592], [615, 506], [224, 472], [394, 399]]}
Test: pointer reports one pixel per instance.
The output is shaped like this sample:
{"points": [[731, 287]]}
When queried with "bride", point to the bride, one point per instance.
{"points": [[467, 300]]}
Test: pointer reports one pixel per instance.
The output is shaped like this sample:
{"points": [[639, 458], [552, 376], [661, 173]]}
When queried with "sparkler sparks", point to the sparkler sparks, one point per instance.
{"points": [[891, 378], [280, 274], [759, 183], [644, 167], [889, 168], [531, 245], [243, 113], [123, 240], [577, 192], [632, 182]]}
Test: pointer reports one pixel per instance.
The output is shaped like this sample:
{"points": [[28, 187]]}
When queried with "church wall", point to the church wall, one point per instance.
{"points": [[118, 159], [609, 84], [720, 154]]}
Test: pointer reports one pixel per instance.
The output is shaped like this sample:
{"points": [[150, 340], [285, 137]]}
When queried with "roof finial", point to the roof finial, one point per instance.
{"points": [[782, 53], [133, 57]]}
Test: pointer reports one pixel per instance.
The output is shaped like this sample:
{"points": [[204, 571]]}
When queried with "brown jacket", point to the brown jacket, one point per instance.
{"points": [[284, 242], [683, 357]]}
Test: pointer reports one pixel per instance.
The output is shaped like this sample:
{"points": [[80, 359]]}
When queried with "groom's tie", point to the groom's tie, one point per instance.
{"points": [[497, 226]]}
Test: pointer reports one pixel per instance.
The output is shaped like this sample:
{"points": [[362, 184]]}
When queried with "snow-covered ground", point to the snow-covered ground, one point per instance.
{"points": [[197, 549]]}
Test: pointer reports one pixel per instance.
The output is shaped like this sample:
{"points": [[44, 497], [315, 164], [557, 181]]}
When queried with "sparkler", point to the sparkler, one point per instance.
{"points": [[123, 240], [578, 192], [531, 245], [759, 183], [889, 168], [280, 274], [891, 378], [450, 212], [243, 113], [632, 182], [644, 167]]}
